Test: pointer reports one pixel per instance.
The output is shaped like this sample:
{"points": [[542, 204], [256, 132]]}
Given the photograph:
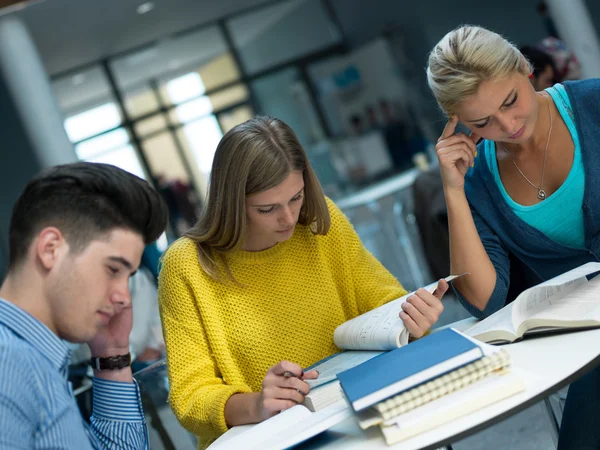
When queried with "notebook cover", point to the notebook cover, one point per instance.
{"points": [[404, 362]]}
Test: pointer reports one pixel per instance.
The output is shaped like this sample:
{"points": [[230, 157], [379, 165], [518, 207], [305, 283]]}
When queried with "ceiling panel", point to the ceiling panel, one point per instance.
{"points": [[69, 33]]}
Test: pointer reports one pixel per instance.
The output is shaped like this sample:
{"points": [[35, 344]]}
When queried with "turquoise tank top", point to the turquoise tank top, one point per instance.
{"points": [[560, 216]]}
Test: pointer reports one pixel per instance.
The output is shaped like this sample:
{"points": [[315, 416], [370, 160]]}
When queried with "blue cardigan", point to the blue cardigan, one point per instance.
{"points": [[502, 232]]}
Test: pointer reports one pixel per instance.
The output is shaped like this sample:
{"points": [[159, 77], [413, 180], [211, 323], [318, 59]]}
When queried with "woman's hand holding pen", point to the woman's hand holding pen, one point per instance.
{"points": [[456, 153], [422, 309], [282, 388]]}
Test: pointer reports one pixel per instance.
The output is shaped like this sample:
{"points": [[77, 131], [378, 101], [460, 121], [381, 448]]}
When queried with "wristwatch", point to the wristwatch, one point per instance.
{"points": [[111, 362]]}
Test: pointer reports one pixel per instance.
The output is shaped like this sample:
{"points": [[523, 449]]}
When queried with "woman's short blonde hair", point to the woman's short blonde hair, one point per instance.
{"points": [[464, 58], [252, 157]]}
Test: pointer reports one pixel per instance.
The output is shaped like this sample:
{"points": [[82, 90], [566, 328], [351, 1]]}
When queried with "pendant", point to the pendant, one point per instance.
{"points": [[541, 194]]}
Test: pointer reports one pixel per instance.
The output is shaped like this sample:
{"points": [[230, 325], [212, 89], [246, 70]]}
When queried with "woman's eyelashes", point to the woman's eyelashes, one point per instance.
{"points": [[272, 208], [506, 105], [512, 102]]}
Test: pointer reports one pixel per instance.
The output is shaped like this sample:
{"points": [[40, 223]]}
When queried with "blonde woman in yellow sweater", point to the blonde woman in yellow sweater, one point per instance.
{"points": [[256, 288]]}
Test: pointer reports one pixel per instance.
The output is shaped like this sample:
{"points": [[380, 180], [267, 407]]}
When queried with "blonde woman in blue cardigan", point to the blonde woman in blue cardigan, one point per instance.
{"points": [[522, 185]]}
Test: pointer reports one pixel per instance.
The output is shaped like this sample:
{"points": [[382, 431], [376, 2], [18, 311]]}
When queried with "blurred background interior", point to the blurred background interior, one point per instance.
{"points": [[152, 87]]}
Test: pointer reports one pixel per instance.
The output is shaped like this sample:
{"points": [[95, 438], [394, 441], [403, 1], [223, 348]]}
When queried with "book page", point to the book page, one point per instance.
{"points": [[285, 429], [378, 329], [537, 298], [495, 328], [578, 304], [310, 426], [262, 432], [329, 369]]}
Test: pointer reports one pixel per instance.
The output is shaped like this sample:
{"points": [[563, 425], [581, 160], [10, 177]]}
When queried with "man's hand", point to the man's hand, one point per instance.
{"points": [[113, 340]]}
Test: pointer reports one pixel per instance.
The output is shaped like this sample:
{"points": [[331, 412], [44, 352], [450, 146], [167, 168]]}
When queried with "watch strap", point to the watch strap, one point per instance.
{"points": [[111, 362]]}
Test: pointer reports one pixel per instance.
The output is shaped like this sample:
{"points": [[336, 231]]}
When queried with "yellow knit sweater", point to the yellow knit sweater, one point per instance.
{"points": [[222, 338]]}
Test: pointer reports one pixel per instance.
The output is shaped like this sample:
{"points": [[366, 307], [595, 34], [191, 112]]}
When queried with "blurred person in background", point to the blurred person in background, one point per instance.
{"points": [[544, 73], [566, 64]]}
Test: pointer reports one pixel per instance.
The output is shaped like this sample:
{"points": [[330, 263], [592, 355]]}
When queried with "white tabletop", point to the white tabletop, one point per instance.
{"points": [[546, 363]]}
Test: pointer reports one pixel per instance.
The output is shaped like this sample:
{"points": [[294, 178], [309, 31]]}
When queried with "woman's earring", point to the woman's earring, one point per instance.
{"points": [[530, 76]]}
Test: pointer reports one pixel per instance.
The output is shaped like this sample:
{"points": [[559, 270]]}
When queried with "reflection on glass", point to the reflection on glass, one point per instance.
{"points": [[125, 158], [141, 102], [162, 156], [219, 71], [169, 57], [230, 119], [287, 30], [204, 105], [283, 94], [230, 96], [191, 110], [184, 88], [92, 122], [202, 138], [105, 142], [83, 90], [151, 125]]}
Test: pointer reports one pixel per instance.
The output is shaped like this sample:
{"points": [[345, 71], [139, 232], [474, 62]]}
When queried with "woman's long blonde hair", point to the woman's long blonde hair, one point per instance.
{"points": [[464, 58], [252, 157]]}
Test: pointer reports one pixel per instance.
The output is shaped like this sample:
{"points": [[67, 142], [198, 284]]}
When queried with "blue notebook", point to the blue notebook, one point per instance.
{"points": [[406, 367]]}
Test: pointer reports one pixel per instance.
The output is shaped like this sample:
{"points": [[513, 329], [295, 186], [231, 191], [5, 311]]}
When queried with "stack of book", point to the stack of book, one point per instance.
{"points": [[436, 379]]}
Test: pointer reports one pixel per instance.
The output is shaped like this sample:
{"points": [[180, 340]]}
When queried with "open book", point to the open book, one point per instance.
{"points": [[567, 301], [326, 389], [379, 329], [286, 429]]}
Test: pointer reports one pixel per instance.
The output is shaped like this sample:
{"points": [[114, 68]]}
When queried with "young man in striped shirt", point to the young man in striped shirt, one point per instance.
{"points": [[76, 235]]}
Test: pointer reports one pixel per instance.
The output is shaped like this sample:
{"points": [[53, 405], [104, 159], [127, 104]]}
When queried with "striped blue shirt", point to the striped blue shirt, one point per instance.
{"points": [[37, 407]]}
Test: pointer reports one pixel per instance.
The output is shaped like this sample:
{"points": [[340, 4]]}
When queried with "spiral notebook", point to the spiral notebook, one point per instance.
{"points": [[387, 411], [496, 387]]}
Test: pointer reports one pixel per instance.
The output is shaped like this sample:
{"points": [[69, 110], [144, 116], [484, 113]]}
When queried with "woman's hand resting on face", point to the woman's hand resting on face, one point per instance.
{"points": [[456, 153]]}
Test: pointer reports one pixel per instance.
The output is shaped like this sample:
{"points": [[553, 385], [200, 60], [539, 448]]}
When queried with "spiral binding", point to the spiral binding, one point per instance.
{"points": [[443, 385]]}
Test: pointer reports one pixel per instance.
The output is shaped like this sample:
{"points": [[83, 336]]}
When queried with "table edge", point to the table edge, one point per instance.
{"points": [[517, 408]]}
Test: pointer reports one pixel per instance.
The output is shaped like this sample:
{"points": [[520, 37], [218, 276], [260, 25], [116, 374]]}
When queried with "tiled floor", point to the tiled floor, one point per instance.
{"points": [[528, 430]]}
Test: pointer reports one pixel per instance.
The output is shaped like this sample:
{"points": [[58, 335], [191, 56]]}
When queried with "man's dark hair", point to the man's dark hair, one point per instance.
{"points": [[538, 59], [84, 201]]}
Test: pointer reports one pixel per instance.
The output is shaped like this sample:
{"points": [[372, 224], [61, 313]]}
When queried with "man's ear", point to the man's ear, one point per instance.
{"points": [[49, 244]]}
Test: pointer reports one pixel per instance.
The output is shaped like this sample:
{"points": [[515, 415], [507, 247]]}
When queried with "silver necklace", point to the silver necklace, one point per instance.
{"points": [[541, 193]]}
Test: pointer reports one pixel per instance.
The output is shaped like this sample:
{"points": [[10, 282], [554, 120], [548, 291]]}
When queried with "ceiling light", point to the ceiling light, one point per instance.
{"points": [[145, 8]]}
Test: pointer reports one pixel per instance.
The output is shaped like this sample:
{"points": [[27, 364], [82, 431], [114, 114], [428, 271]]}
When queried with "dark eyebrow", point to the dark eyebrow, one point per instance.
{"points": [[503, 103], [273, 204], [123, 262]]}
